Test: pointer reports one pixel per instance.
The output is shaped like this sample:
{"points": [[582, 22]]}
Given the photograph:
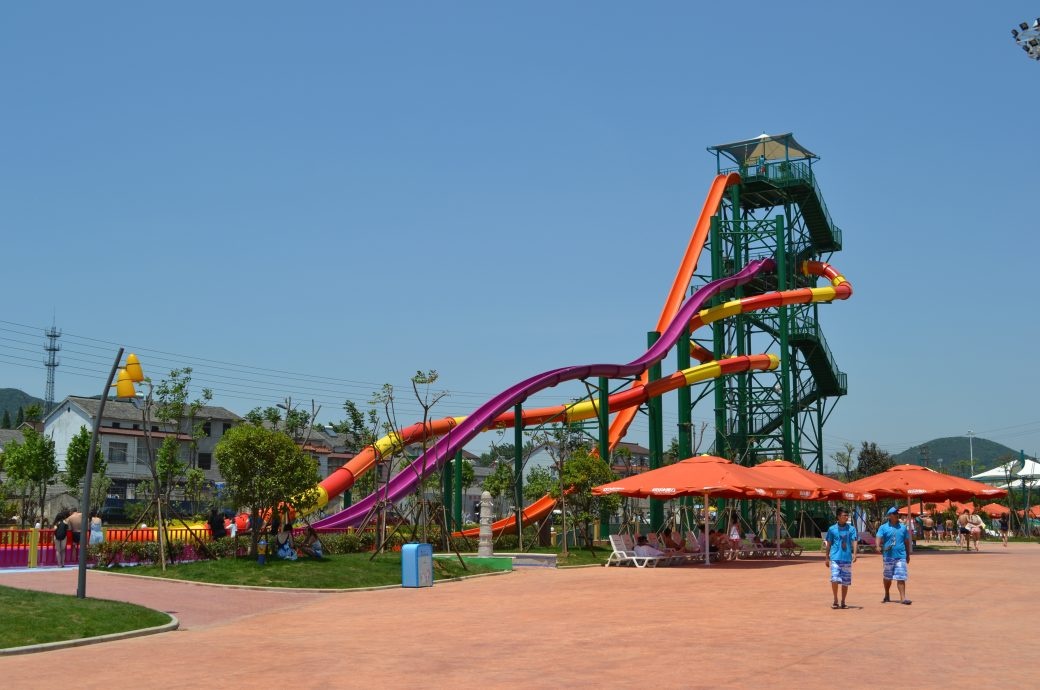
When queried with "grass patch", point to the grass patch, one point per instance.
{"points": [[336, 571], [38, 617]]}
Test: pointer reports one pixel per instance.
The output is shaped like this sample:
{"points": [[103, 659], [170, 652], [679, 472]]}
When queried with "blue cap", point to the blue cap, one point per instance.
{"points": [[892, 511]]}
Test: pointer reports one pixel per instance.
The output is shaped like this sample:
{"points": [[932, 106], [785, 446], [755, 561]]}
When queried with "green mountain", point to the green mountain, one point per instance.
{"points": [[952, 454], [12, 398]]}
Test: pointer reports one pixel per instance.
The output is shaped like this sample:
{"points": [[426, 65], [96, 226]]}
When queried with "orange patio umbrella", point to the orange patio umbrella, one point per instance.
{"points": [[825, 486], [995, 509], [913, 482], [921, 508], [708, 476], [1034, 512]]}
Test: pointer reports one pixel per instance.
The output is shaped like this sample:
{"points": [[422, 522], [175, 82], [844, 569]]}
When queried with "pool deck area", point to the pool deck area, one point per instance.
{"points": [[729, 625]]}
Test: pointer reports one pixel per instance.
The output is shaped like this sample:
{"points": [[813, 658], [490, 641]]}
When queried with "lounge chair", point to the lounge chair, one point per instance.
{"points": [[623, 556]]}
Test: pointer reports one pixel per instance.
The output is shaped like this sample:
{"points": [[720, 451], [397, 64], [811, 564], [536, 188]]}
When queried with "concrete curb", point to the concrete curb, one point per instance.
{"points": [[49, 646], [297, 589]]}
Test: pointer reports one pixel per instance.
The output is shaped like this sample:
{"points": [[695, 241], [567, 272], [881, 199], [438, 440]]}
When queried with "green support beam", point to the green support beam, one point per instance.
{"points": [[603, 417], [518, 470], [457, 503], [656, 409]]}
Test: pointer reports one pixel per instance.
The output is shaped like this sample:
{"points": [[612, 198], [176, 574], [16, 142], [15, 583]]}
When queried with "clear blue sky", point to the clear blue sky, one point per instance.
{"points": [[351, 191]]}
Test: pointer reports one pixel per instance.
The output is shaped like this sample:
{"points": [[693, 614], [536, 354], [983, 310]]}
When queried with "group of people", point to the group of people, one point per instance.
{"points": [[892, 541], [285, 545], [714, 541], [70, 523]]}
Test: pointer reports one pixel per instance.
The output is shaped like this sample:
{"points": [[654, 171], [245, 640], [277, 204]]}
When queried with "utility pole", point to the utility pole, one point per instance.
{"points": [[971, 452]]}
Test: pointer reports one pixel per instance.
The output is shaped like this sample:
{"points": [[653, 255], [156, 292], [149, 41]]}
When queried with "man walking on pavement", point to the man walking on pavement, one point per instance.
{"points": [[893, 541], [841, 554]]}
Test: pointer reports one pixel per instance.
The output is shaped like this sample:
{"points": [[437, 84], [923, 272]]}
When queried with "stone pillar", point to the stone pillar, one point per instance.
{"points": [[485, 549]]}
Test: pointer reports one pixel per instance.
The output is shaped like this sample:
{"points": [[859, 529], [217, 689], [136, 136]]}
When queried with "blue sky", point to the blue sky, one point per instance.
{"points": [[313, 201]]}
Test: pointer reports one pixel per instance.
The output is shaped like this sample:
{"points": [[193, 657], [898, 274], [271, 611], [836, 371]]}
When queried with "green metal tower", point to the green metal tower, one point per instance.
{"points": [[776, 211]]}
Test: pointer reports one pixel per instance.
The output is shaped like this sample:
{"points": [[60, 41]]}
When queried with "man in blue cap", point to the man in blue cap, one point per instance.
{"points": [[893, 541]]}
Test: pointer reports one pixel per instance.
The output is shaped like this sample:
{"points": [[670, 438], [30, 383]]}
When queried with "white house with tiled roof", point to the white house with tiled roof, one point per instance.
{"points": [[124, 438]]}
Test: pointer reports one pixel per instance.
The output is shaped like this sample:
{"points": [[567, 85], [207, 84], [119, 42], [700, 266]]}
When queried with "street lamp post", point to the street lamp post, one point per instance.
{"points": [[84, 513], [124, 389]]}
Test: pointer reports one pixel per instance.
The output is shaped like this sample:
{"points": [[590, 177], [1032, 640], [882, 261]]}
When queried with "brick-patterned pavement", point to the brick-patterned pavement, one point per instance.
{"points": [[732, 625]]}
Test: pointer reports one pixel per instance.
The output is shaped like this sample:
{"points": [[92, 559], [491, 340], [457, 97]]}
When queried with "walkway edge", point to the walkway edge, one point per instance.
{"points": [[296, 589], [48, 646]]}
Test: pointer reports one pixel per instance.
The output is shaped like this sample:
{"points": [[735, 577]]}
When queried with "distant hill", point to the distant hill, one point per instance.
{"points": [[12, 398], [954, 452]]}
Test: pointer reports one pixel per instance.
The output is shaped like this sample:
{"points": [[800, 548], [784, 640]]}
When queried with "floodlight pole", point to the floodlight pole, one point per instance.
{"points": [[971, 452], [84, 515]]}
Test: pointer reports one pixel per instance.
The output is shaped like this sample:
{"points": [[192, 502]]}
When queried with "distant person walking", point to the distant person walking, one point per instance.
{"points": [[893, 541], [1004, 529], [842, 551]]}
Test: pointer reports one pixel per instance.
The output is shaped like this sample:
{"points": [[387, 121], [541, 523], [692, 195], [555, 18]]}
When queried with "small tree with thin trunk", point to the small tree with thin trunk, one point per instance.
{"points": [[265, 469]]}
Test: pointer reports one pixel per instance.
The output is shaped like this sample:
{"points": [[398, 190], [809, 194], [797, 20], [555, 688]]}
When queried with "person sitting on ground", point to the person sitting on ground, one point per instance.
{"points": [[311, 544], [284, 542], [643, 548], [671, 542]]}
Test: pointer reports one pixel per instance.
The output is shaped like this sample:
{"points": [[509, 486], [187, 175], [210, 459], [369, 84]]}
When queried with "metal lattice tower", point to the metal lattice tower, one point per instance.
{"points": [[51, 348], [776, 211]]}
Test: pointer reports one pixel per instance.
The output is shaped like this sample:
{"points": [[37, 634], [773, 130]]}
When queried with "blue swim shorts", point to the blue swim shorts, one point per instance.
{"points": [[895, 569], [841, 571]]}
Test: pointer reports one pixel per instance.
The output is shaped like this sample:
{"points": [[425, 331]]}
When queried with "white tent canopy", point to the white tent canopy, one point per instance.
{"points": [[1031, 470], [1021, 484], [999, 473]]}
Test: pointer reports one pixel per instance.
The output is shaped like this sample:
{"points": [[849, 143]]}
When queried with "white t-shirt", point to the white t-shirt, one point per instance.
{"points": [[647, 550]]}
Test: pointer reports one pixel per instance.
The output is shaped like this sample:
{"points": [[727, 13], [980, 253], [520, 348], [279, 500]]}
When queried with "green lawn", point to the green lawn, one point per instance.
{"points": [[37, 617], [336, 571]]}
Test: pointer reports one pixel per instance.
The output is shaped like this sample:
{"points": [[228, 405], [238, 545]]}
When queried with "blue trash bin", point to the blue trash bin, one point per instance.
{"points": [[417, 565]]}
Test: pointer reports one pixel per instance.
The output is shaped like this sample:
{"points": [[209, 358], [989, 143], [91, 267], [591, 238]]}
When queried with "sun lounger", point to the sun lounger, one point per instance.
{"points": [[623, 556]]}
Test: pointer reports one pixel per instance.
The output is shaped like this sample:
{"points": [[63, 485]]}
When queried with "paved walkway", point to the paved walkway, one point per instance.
{"points": [[731, 625]]}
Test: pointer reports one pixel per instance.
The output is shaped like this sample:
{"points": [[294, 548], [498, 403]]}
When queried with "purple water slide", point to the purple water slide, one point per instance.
{"points": [[445, 448]]}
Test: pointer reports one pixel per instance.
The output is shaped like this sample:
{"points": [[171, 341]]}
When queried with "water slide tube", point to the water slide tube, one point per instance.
{"points": [[344, 477], [455, 438], [694, 249]]}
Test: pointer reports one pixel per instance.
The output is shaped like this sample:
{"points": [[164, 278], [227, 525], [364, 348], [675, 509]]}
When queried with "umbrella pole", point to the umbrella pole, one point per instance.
{"points": [[909, 521], [777, 528], [707, 541]]}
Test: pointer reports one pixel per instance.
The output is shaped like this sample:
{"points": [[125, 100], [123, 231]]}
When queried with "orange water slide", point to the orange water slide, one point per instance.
{"points": [[677, 294]]}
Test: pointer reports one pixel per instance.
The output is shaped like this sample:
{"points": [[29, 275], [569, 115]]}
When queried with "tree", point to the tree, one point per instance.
{"points": [[358, 428], [33, 413], [173, 409], [265, 469], [843, 459], [872, 460], [501, 482], [582, 471], [5, 423], [19, 418], [540, 481], [33, 463], [76, 467]]}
